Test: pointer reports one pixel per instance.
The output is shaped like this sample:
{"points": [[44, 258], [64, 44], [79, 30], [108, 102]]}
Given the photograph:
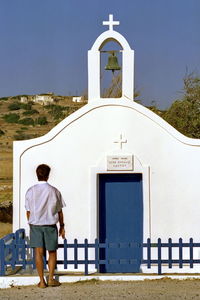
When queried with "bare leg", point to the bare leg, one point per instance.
{"points": [[52, 264], [39, 252]]}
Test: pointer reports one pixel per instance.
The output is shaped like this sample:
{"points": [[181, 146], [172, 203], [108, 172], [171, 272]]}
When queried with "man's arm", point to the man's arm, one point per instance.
{"points": [[61, 223]]}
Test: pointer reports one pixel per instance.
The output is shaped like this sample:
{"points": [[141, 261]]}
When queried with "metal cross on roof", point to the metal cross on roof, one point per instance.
{"points": [[111, 23]]}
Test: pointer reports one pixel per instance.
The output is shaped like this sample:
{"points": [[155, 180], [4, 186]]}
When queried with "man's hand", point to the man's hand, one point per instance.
{"points": [[28, 214], [62, 232]]}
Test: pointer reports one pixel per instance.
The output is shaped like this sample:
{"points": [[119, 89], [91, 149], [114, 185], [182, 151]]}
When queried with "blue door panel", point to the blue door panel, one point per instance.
{"points": [[121, 220]]}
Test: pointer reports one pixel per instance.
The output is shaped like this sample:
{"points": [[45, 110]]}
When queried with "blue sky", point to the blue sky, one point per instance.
{"points": [[44, 44]]}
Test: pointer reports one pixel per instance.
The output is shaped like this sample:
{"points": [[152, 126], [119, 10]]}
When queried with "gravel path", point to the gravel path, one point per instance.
{"points": [[146, 290]]}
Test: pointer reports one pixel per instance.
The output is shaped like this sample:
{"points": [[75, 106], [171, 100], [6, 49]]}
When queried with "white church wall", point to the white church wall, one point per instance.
{"points": [[78, 147], [173, 162]]}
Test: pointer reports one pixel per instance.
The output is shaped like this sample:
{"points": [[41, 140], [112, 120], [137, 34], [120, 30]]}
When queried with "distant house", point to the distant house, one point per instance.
{"points": [[77, 99], [43, 99], [24, 99]]}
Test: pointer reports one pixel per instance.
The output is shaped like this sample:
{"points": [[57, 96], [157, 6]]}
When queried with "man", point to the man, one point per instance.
{"points": [[44, 205]]}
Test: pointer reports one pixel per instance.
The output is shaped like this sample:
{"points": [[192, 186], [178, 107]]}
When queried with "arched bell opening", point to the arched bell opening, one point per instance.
{"points": [[94, 65], [111, 70]]}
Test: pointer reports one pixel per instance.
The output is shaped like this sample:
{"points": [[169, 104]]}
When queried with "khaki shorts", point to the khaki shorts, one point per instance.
{"points": [[44, 236]]}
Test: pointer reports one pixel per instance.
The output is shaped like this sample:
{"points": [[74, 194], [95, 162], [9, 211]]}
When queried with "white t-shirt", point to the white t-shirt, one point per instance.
{"points": [[44, 202]]}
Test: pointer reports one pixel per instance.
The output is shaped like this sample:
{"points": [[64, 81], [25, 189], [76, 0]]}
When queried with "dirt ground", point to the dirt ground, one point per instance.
{"points": [[146, 290]]}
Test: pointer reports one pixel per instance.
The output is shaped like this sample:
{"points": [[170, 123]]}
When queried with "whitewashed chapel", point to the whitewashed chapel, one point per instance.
{"points": [[124, 172]]}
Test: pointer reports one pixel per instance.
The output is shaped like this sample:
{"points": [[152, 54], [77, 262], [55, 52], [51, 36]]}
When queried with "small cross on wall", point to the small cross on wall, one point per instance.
{"points": [[111, 23], [120, 141]]}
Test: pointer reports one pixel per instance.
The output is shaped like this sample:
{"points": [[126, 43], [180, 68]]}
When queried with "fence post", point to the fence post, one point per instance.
{"points": [[107, 244], [159, 257], [13, 250], [65, 254], [96, 245], [2, 257], [86, 256], [191, 253], [180, 253], [20, 247], [75, 254], [148, 253], [170, 252]]}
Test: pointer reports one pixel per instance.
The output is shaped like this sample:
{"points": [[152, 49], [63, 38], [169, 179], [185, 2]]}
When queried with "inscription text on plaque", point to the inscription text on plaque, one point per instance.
{"points": [[120, 162]]}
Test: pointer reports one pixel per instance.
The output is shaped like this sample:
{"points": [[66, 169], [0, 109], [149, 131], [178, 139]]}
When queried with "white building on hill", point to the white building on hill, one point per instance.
{"points": [[43, 99], [77, 99]]}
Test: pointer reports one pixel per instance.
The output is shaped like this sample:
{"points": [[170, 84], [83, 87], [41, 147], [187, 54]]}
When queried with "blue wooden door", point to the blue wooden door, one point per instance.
{"points": [[121, 221]]}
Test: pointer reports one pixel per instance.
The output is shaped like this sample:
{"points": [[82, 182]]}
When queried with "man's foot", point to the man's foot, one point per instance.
{"points": [[42, 285], [53, 283]]}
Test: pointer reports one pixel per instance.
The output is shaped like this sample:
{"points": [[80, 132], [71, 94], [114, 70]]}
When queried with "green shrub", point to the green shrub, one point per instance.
{"points": [[11, 118], [24, 128], [14, 106], [26, 106], [56, 111], [22, 136], [58, 115], [16, 97], [30, 112], [17, 105], [26, 121], [19, 131], [41, 121], [4, 98]]}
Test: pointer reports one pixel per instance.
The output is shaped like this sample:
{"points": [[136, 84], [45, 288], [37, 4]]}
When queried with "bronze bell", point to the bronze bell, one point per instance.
{"points": [[112, 63]]}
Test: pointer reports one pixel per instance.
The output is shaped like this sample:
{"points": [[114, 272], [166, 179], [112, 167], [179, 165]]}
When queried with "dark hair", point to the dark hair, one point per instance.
{"points": [[42, 172]]}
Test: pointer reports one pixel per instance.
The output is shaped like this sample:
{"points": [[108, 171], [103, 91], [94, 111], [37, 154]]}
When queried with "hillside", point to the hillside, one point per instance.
{"points": [[20, 121]]}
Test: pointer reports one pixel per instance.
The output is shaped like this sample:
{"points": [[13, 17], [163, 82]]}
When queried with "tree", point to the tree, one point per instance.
{"points": [[184, 114], [191, 88], [115, 90]]}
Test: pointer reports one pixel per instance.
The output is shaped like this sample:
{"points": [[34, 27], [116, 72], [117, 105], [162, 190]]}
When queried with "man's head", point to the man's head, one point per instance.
{"points": [[42, 172]]}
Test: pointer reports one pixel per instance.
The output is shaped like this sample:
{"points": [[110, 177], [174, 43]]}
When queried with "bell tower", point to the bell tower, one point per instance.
{"points": [[94, 63]]}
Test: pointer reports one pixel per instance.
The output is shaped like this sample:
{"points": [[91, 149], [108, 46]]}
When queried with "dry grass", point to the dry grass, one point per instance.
{"points": [[5, 228], [10, 130], [6, 193]]}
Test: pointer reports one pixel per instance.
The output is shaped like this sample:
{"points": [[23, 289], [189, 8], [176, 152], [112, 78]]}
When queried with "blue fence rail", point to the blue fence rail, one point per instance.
{"points": [[15, 251]]}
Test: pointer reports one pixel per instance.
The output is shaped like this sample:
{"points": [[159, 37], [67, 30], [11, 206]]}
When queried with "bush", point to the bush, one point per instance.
{"points": [[24, 128], [26, 121], [4, 98], [21, 136], [26, 106], [17, 105], [14, 106], [41, 121], [56, 111], [1, 132], [11, 118], [30, 112], [15, 97]]}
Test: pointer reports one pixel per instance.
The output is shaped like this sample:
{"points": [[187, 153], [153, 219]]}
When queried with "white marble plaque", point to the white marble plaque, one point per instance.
{"points": [[120, 162]]}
